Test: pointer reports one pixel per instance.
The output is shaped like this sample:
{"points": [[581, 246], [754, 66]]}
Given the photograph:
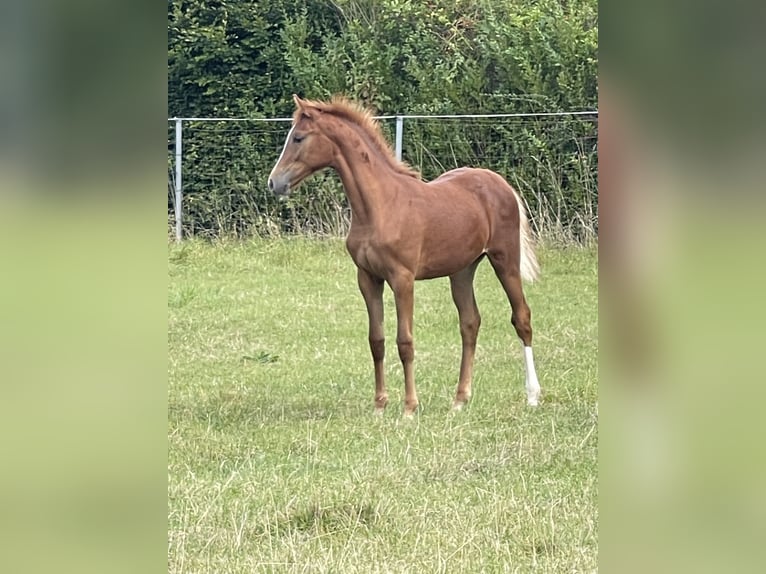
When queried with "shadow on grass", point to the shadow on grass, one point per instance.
{"points": [[322, 519], [230, 410]]}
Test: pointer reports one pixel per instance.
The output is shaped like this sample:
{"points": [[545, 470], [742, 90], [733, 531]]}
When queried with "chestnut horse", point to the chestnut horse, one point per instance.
{"points": [[404, 229]]}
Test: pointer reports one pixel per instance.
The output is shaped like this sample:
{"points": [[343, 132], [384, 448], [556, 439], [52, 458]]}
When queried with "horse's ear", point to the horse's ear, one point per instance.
{"points": [[306, 111]]}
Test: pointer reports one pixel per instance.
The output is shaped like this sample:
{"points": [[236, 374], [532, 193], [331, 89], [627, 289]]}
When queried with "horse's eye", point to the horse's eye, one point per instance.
{"points": [[298, 139]]}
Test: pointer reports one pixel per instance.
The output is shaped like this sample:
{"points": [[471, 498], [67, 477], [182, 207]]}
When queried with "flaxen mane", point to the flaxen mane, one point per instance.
{"points": [[348, 110]]}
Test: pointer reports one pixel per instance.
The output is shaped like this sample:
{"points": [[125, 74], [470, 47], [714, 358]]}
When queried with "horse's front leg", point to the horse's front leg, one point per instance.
{"points": [[403, 286], [372, 291]]}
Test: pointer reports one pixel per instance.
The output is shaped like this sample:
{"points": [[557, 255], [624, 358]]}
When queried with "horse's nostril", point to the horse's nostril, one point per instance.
{"points": [[271, 184]]}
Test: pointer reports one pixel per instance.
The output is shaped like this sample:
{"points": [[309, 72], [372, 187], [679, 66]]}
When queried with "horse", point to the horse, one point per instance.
{"points": [[404, 229]]}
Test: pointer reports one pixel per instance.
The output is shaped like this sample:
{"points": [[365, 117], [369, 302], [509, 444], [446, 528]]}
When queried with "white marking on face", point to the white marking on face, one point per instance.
{"points": [[284, 147]]}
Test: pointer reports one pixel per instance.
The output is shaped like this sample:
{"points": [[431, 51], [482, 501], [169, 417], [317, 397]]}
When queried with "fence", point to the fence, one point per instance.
{"points": [[218, 169]]}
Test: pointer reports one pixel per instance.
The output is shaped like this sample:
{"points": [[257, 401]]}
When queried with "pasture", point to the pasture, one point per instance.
{"points": [[277, 464]]}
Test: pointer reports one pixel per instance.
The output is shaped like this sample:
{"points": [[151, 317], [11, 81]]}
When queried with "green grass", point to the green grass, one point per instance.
{"points": [[277, 464]]}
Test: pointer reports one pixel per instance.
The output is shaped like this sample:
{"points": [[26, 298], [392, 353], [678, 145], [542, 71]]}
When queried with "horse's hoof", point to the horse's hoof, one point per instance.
{"points": [[457, 406], [378, 412], [533, 401]]}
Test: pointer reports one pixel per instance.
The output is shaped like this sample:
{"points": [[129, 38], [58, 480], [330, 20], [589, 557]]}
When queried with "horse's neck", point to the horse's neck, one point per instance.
{"points": [[365, 174]]}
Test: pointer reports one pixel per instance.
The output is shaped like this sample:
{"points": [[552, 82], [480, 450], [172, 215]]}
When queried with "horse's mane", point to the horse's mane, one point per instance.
{"points": [[356, 114]]}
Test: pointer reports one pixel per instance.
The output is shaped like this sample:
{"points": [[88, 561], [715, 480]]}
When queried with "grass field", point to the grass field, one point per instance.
{"points": [[277, 464]]}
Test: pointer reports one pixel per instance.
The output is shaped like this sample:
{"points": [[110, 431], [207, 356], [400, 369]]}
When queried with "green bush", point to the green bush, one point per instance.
{"points": [[246, 59]]}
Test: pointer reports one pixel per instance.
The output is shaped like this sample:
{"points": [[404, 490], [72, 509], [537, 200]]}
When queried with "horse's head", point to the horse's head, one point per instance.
{"points": [[306, 150]]}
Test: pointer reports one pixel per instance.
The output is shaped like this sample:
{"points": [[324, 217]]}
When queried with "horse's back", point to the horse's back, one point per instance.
{"points": [[486, 187], [459, 173], [472, 179]]}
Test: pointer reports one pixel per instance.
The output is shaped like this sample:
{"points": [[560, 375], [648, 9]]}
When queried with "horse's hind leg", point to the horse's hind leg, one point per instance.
{"points": [[461, 284], [510, 277]]}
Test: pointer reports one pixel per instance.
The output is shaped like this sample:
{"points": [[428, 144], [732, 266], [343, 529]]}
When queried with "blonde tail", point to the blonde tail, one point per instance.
{"points": [[530, 268]]}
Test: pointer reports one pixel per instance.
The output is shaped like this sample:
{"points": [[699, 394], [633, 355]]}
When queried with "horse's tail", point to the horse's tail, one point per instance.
{"points": [[530, 268]]}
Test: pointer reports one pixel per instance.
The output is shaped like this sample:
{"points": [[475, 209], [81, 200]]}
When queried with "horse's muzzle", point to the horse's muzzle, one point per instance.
{"points": [[279, 185]]}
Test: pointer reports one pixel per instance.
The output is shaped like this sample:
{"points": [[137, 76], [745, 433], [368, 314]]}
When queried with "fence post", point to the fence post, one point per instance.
{"points": [[179, 183], [399, 132]]}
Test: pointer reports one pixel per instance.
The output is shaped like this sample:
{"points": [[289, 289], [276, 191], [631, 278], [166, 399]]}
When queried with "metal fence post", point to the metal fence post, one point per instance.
{"points": [[399, 132], [179, 183]]}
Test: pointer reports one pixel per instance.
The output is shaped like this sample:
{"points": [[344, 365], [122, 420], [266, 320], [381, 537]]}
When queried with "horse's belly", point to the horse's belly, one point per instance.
{"points": [[424, 253], [430, 269], [451, 249]]}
